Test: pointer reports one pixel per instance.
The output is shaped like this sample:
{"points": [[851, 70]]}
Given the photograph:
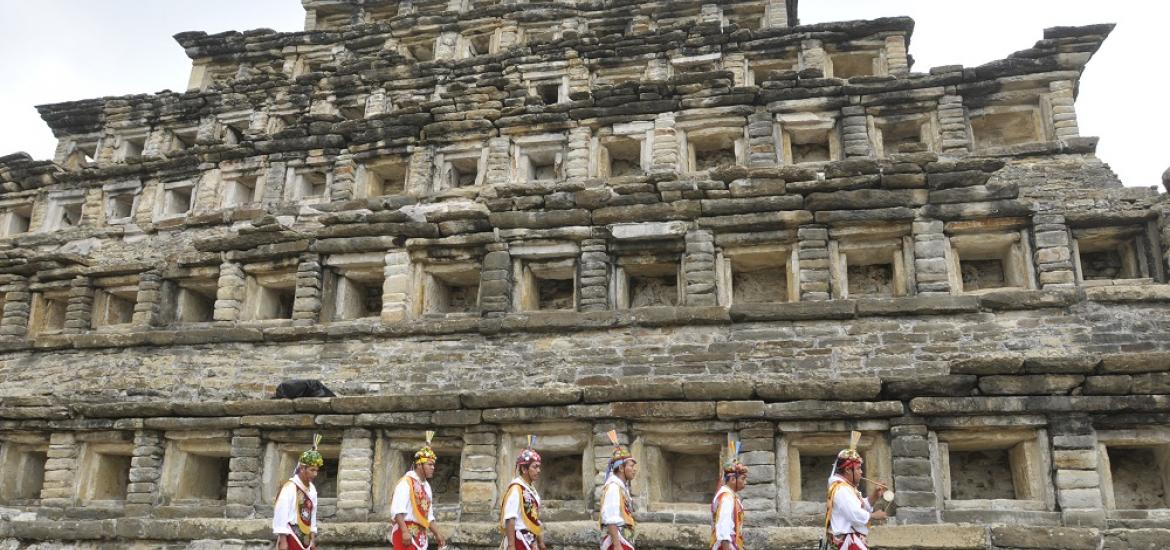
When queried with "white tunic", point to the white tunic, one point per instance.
{"points": [[850, 510], [611, 505], [284, 514], [725, 525], [512, 504], [400, 504]]}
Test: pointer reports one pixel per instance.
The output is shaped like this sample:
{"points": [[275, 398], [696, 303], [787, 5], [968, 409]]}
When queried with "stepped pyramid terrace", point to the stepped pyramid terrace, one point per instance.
{"points": [[499, 218]]}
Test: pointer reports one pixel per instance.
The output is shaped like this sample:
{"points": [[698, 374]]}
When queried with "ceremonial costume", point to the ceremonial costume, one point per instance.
{"points": [[726, 507], [413, 499], [617, 508], [521, 503], [294, 516], [847, 511]]}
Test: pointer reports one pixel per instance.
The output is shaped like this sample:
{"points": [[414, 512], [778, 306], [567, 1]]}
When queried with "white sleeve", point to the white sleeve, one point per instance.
{"points": [[725, 527], [400, 504], [611, 506], [313, 522], [850, 508], [512, 505], [284, 511], [430, 497]]}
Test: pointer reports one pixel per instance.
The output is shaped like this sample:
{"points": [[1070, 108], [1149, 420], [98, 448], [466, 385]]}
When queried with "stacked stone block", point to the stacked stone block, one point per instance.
{"points": [[813, 254], [307, 304], [913, 483], [1053, 254], [930, 257], [1077, 481], [699, 269], [495, 289], [952, 119], [355, 475], [593, 274], [243, 491], [229, 299], [479, 480], [145, 470], [60, 470], [1064, 114], [396, 291], [17, 306], [79, 312], [148, 307], [761, 140], [758, 453], [855, 132]]}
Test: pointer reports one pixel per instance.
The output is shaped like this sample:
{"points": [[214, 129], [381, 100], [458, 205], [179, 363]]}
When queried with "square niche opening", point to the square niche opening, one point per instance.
{"points": [[310, 184], [1140, 476], [758, 277], [872, 271], [710, 150], [105, 472], [24, 467], [687, 466], [65, 212], [270, 296], [689, 476], [849, 65], [548, 286], [178, 197], [1006, 469], [120, 207], [807, 459], [384, 178], [451, 289], [241, 190], [281, 462], [353, 292], [48, 312], [542, 163], [1006, 127], [461, 171], [761, 70], [1112, 253], [548, 92], [651, 284], [903, 135], [809, 145], [197, 472], [990, 261], [621, 156], [15, 220], [114, 306], [190, 300], [560, 477]]}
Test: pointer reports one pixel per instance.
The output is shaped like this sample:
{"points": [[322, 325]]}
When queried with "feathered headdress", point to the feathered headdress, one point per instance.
{"points": [[312, 457], [426, 453], [849, 458], [731, 465], [620, 454], [528, 456]]}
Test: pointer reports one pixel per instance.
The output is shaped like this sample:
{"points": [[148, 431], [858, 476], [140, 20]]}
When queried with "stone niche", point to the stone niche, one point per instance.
{"points": [[22, 459], [1114, 253], [1134, 466], [805, 458], [1007, 125], [114, 301], [460, 166], [648, 280], [352, 286], [242, 189], [394, 456], [759, 69], [476, 42], [851, 64], [625, 151], [386, 176], [15, 217], [281, 455], [104, 469], [983, 260], [566, 479], [49, 304], [190, 296], [994, 470], [685, 463], [711, 143], [904, 133], [447, 288], [195, 468], [270, 290], [121, 201], [307, 184], [867, 262], [545, 283], [757, 275], [64, 210], [174, 200], [129, 145], [539, 158], [809, 138]]}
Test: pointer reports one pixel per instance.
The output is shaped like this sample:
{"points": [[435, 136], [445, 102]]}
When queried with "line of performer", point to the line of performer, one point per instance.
{"points": [[848, 512]]}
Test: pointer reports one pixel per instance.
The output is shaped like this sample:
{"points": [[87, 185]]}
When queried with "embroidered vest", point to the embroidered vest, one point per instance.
{"points": [[737, 510], [529, 508]]}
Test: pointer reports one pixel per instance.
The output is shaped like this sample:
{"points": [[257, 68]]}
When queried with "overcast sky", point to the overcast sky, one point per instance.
{"points": [[62, 50]]}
